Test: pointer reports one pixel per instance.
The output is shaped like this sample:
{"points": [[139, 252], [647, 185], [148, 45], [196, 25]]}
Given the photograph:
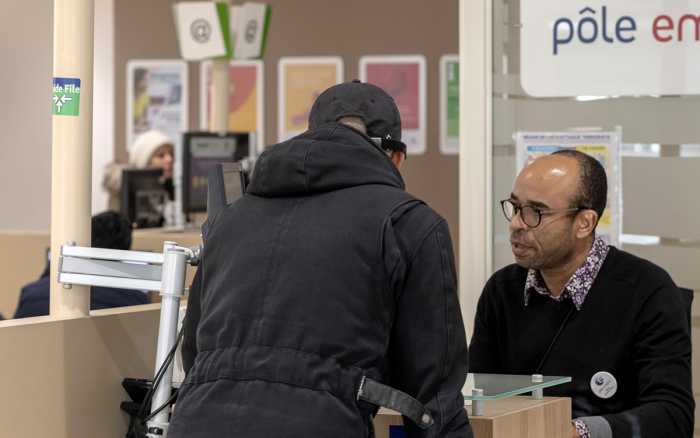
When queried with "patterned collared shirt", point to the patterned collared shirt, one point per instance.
{"points": [[579, 284], [581, 429]]}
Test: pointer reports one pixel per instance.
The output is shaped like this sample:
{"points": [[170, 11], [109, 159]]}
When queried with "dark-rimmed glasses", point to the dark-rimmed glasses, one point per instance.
{"points": [[531, 216]]}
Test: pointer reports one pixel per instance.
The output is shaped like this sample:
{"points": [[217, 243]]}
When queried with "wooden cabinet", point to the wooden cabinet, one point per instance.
{"points": [[521, 417]]}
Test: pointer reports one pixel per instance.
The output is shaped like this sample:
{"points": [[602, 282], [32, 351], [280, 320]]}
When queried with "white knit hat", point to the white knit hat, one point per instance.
{"points": [[144, 146]]}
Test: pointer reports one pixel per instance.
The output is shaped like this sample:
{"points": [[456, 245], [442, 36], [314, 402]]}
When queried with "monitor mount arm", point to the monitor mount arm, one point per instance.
{"points": [[138, 270]]}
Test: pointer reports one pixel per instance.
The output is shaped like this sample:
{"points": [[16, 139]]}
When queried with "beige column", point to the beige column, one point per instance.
{"points": [[71, 151], [475, 234], [219, 95]]}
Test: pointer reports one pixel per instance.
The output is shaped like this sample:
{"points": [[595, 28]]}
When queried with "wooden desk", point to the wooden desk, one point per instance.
{"points": [[521, 417], [151, 239], [22, 260]]}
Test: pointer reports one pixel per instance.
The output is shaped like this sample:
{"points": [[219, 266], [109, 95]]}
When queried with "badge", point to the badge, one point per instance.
{"points": [[603, 384]]}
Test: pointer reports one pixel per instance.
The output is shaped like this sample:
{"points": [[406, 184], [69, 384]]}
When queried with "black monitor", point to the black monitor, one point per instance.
{"points": [[201, 152], [143, 197], [226, 183]]}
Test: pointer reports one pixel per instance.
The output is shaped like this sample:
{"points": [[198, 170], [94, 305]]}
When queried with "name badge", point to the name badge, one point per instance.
{"points": [[603, 384]]}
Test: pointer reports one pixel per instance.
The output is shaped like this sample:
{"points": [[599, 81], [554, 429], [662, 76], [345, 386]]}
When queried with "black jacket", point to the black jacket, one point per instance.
{"points": [[325, 271], [633, 324]]}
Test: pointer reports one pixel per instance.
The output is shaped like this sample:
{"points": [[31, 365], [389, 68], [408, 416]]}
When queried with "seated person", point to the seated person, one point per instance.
{"points": [[109, 230], [152, 149], [574, 306]]}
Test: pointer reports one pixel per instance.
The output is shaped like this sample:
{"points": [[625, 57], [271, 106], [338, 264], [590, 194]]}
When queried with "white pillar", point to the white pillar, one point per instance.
{"points": [[475, 186], [219, 95], [71, 151], [103, 101]]}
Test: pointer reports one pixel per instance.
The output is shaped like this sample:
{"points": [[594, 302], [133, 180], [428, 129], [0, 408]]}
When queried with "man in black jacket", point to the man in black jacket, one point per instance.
{"points": [[574, 306], [324, 291]]}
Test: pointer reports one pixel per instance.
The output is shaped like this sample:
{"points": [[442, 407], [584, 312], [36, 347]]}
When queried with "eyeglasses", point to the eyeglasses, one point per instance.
{"points": [[531, 216]]}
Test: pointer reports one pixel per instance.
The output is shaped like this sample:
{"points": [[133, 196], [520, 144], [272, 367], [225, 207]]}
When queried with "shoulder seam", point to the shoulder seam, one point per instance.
{"points": [[422, 240]]}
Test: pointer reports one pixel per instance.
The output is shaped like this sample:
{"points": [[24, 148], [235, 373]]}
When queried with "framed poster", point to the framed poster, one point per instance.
{"points": [[604, 146], [449, 104], [245, 99], [403, 77], [156, 97], [300, 81]]}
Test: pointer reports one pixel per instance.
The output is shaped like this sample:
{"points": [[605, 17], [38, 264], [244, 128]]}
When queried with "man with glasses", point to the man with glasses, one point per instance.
{"points": [[572, 305]]}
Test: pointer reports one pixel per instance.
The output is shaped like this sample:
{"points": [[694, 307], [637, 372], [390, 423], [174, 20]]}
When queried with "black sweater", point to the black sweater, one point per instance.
{"points": [[632, 324]]}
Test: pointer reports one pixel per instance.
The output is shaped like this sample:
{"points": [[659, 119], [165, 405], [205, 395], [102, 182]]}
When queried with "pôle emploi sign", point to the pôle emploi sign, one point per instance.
{"points": [[614, 47]]}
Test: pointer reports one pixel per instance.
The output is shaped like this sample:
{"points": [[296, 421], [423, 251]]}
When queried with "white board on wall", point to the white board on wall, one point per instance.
{"points": [[620, 47]]}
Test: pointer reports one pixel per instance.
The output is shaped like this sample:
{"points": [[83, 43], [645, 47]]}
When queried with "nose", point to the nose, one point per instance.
{"points": [[516, 223]]}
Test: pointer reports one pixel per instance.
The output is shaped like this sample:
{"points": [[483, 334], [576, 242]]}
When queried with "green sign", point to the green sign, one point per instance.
{"points": [[452, 79], [66, 97]]}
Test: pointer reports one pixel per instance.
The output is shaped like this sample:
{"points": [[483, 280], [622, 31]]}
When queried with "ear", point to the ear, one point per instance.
{"points": [[586, 222], [397, 158]]}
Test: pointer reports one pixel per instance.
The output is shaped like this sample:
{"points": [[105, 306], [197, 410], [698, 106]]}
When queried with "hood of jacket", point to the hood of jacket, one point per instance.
{"points": [[331, 157]]}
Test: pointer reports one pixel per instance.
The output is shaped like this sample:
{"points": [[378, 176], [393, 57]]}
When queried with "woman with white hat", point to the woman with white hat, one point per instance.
{"points": [[152, 149]]}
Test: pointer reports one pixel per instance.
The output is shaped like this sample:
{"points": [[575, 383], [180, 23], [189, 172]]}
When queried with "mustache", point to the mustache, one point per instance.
{"points": [[519, 238]]}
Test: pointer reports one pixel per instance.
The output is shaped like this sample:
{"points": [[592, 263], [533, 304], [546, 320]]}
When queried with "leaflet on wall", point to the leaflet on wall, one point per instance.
{"points": [[449, 104], [300, 81], [403, 77], [157, 99], [245, 98], [604, 146]]}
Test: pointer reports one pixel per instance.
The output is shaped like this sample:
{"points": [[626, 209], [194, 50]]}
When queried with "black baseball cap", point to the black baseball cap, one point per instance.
{"points": [[368, 102]]}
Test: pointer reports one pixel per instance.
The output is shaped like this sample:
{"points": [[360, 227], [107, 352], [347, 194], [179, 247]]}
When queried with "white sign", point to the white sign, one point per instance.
{"points": [[199, 30], [249, 23], [603, 146], [609, 48]]}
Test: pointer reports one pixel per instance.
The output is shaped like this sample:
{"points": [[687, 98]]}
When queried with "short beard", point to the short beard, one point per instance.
{"points": [[553, 259]]}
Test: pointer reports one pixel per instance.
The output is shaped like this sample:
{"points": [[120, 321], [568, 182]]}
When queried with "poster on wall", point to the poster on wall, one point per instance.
{"points": [[156, 97], [449, 104], [403, 77], [604, 146], [300, 81], [245, 98]]}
